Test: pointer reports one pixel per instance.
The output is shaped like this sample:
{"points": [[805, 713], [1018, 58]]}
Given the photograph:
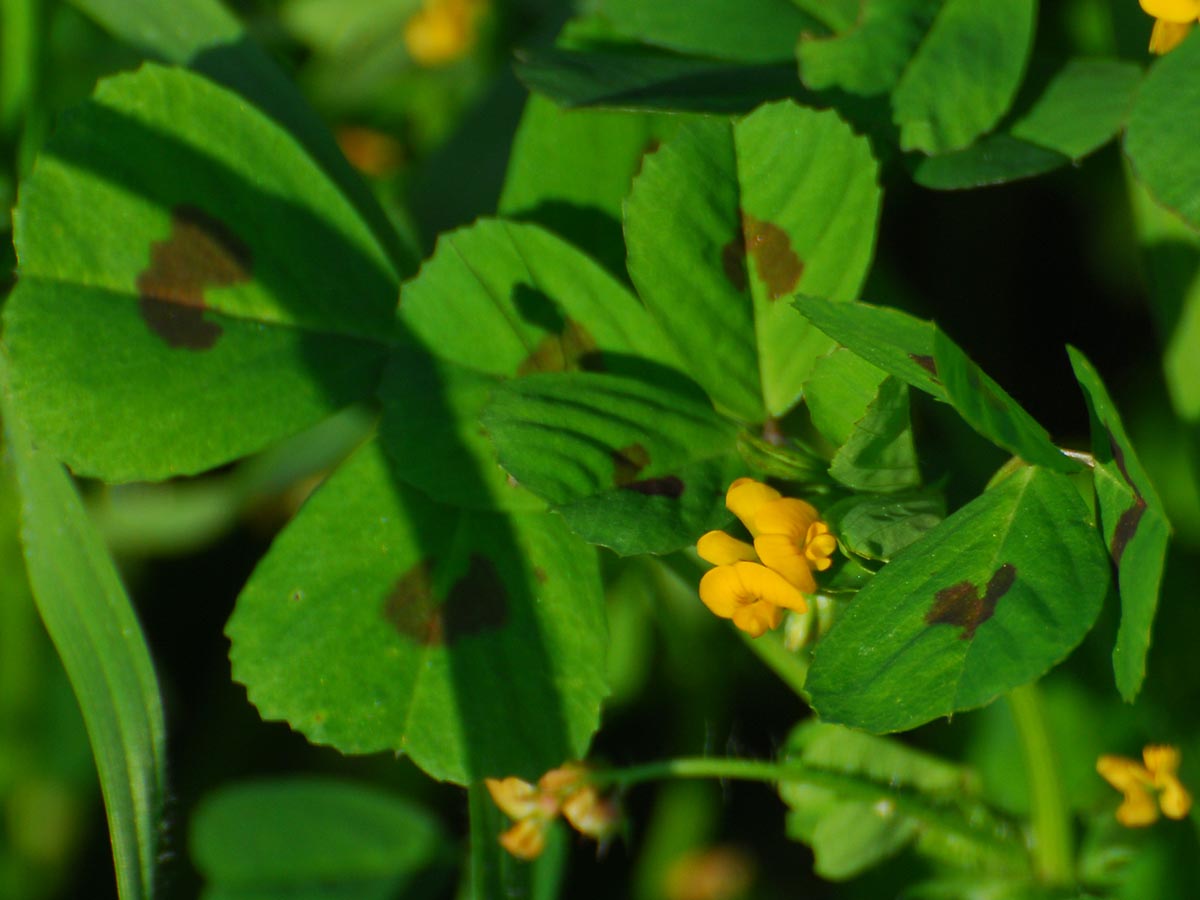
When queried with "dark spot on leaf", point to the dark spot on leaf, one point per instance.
{"points": [[628, 462], [200, 252], [540, 574], [1127, 525], [666, 486], [574, 349], [478, 601], [413, 609], [960, 604], [1126, 528], [927, 363], [777, 265]]}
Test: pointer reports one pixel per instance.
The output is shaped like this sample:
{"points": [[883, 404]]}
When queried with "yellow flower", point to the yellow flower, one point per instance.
{"points": [[1158, 772], [562, 791], [442, 31], [753, 584], [1173, 21]]}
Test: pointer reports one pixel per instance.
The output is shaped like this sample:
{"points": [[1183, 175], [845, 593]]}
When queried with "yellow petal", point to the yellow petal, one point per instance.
{"points": [[517, 799], [721, 549], [785, 516], [721, 590], [744, 498], [591, 814], [1163, 764], [819, 546], [758, 618], [1162, 760], [1166, 36], [1138, 810], [526, 839], [761, 583], [1123, 773], [779, 552], [1172, 10]]}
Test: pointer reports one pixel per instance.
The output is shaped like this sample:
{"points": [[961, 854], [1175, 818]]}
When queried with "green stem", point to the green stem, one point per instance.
{"points": [[1053, 854], [792, 668], [985, 830], [19, 60]]}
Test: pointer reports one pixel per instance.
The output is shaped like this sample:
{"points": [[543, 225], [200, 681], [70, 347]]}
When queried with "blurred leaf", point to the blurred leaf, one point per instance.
{"points": [[752, 31], [988, 600], [570, 170], [635, 466], [95, 630], [964, 75], [1082, 108], [899, 344], [180, 304], [724, 222], [205, 36], [478, 639], [645, 79], [838, 392], [1158, 136], [997, 159], [869, 55], [986, 407], [345, 27], [879, 527], [310, 839], [879, 454], [858, 799], [1134, 525]]}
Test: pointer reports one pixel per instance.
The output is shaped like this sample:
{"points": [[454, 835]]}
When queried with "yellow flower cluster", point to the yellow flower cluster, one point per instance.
{"points": [[1157, 772], [442, 31], [754, 584], [564, 791], [1173, 19]]}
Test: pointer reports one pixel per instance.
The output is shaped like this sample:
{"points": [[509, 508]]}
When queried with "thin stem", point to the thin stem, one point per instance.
{"points": [[792, 668], [1053, 853]]}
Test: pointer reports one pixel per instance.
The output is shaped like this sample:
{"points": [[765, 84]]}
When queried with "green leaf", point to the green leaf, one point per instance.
{"points": [[643, 79], [180, 304], [839, 391], [310, 839], [570, 170], [964, 75], [754, 31], [636, 466], [879, 527], [858, 799], [724, 222], [1082, 108], [987, 601], [478, 639], [499, 299], [997, 159], [869, 55], [986, 407], [203, 34], [918, 353], [879, 454], [1133, 523], [897, 343], [1159, 138], [508, 299], [430, 430], [95, 630]]}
